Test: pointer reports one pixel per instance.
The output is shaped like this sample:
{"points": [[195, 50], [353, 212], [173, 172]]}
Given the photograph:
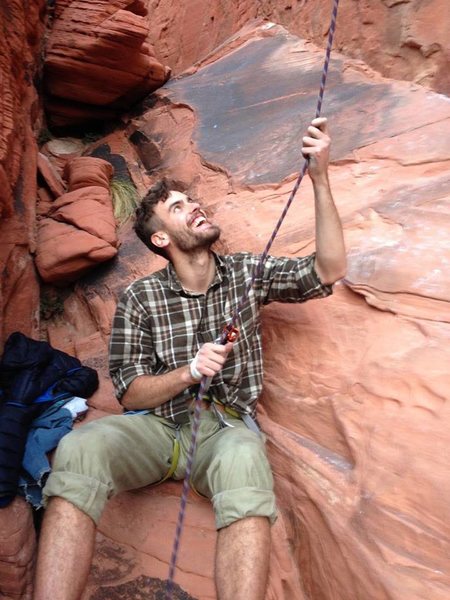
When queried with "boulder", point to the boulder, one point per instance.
{"points": [[97, 61], [63, 150]]}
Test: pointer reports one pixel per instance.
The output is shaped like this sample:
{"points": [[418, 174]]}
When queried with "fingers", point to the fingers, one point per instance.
{"points": [[312, 146], [309, 141], [320, 123], [211, 358], [316, 131]]}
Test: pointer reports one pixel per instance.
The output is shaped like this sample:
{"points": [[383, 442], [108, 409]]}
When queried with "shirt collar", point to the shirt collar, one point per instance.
{"points": [[174, 282]]}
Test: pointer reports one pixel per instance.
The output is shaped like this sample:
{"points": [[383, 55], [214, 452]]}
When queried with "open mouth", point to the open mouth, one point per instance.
{"points": [[198, 220]]}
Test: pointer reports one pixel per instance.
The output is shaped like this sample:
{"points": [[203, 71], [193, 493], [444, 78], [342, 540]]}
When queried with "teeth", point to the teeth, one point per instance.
{"points": [[199, 221]]}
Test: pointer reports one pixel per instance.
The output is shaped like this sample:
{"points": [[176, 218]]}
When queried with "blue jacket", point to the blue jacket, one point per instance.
{"points": [[33, 376]]}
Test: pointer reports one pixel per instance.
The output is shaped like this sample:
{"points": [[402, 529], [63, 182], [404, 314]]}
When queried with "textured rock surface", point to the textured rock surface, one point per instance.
{"points": [[403, 39], [17, 550], [98, 61], [21, 28], [50, 176]]}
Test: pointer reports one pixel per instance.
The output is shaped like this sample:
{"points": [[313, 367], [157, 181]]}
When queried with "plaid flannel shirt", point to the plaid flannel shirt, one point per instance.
{"points": [[159, 326]]}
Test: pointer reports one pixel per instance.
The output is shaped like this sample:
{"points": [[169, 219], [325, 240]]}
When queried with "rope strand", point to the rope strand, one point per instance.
{"points": [[204, 384], [185, 492]]}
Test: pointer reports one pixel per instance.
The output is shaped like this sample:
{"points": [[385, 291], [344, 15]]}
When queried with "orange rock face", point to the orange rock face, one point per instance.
{"points": [[403, 39], [21, 28], [98, 61], [17, 550]]}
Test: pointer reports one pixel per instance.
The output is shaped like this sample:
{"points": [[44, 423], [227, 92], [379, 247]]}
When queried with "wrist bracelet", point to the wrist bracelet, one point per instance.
{"points": [[195, 373]]}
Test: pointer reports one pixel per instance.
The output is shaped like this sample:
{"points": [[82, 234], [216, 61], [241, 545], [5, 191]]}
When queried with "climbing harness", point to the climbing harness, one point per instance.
{"points": [[230, 332], [175, 454], [221, 419]]}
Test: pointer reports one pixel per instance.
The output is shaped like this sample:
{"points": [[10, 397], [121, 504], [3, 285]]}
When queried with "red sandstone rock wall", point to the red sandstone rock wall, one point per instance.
{"points": [[402, 39], [98, 62], [21, 30], [356, 394], [17, 551]]}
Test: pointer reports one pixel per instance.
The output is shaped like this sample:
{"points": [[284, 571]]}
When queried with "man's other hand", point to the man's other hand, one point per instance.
{"points": [[209, 360]]}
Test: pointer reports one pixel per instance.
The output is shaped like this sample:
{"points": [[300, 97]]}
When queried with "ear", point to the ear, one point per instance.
{"points": [[160, 239]]}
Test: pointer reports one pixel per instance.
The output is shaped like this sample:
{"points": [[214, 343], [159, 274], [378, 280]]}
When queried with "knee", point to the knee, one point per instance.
{"points": [[79, 474], [241, 462]]}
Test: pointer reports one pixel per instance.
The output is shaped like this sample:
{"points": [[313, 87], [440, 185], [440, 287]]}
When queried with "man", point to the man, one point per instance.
{"points": [[162, 344]]}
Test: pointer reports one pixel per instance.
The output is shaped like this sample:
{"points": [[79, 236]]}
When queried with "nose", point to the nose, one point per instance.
{"points": [[194, 206]]}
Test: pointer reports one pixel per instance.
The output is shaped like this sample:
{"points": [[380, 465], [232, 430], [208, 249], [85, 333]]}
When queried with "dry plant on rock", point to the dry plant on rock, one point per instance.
{"points": [[124, 199]]}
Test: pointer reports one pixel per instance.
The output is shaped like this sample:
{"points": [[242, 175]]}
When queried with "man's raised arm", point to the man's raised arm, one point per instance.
{"points": [[330, 262]]}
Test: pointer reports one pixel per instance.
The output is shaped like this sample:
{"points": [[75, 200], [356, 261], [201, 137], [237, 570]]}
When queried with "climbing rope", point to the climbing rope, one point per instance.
{"points": [[204, 384]]}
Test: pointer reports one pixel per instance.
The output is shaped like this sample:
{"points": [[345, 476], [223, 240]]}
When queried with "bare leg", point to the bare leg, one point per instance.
{"points": [[65, 552], [242, 559]]}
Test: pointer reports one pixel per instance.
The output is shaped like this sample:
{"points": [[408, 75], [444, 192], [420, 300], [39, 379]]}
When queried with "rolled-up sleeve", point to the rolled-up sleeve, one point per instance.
{"points": [[291, 280], [131, 351]]}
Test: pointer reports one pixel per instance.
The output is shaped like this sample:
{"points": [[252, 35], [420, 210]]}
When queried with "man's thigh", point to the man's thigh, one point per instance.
{"points": [[231, 468], [108, 456]]}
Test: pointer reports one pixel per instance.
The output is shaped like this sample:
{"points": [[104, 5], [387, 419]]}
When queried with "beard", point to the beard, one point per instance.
{"points": [[191, 240]]}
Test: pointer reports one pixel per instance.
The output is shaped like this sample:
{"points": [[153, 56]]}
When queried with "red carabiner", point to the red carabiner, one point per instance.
{"points": [[231, 333]]}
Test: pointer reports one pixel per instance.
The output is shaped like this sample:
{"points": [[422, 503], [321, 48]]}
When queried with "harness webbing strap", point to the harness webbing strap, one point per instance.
{"points": [[175, 456], [204, 384]]}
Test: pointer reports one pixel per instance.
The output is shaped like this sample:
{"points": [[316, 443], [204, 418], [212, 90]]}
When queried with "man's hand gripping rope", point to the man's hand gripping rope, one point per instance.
{"points": [[211, 357]]}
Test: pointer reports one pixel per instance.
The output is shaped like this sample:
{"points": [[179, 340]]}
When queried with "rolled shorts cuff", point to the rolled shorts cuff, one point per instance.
{"points": [[233, 505], [86, 493]]}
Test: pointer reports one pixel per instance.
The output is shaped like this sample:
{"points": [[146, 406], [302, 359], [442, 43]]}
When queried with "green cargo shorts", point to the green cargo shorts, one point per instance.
{"points": [[126, 452]]}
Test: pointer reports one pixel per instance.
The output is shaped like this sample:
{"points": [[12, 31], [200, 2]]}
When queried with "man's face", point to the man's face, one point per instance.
{"points": [[185, 224]]}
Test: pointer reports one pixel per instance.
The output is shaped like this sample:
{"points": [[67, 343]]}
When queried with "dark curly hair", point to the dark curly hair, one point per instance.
{"points": [[146, 222]]}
